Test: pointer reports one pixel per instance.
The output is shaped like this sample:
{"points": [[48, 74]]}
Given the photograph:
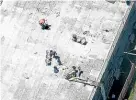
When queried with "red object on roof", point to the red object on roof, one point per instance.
{"points": [[42, 21]]}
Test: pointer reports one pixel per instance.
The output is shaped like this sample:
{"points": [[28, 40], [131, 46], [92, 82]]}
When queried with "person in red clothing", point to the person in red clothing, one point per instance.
{"points": [[44, 24]]}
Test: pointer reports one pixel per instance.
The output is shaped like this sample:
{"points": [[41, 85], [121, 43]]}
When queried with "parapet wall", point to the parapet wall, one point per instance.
{"points": [[111, 67]]}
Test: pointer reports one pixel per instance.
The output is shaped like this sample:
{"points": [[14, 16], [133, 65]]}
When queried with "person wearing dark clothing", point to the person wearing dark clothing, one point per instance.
{"points": [[79, 71], [74, 37], [56, 70], [53, 53], [74, 72], [46, 26]]}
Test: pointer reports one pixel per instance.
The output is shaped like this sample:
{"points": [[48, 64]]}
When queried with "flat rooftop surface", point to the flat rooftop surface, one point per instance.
{"points": [[24, 73]]}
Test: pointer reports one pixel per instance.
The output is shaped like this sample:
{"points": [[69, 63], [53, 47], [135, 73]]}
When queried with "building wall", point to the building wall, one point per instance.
{"points": [[112, 71]]}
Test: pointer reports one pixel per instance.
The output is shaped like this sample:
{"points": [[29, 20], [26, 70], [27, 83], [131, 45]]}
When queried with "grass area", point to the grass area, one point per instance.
{"points": [[133, 88]]}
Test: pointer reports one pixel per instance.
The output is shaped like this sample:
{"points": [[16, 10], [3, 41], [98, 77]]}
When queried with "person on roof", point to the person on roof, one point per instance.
{"points": [[44, 24]]}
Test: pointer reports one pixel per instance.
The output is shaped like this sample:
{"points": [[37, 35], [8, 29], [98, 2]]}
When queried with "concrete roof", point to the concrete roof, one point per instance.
{"points": [[24, 46]]}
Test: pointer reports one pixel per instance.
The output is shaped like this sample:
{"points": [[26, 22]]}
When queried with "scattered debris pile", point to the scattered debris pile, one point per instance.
{"points": [[76, 72], [50, 54], [78, 39]]}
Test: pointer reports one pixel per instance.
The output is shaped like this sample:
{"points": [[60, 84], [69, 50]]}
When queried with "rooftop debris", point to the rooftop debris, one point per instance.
{"points": [[78, 39]]}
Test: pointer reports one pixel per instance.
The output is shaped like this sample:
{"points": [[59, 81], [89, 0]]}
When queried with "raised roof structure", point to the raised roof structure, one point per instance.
{"points": [[25, 75]]}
